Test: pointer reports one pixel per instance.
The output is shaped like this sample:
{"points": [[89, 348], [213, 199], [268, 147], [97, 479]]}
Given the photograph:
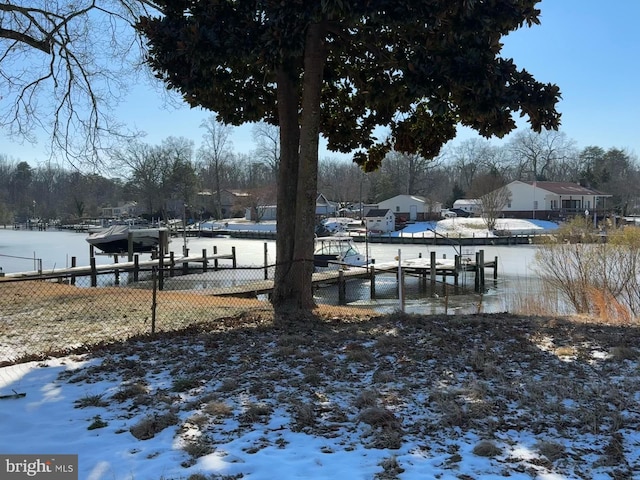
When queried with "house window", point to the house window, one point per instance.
{"points": [[397, 208], [535, 205]]}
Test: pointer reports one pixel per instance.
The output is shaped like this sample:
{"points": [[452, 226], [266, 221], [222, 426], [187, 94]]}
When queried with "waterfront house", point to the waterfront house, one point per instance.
{"points": [[232, 202], [326, 207], [123, 210], [554, 200], [411, 207], [472, 206]]}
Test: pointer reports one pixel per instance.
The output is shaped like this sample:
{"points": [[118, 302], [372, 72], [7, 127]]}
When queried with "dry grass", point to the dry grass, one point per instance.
{"points": [[43, 317], [486, 448], [553, 451], [568, 386], [217, 409], [153, 424]]}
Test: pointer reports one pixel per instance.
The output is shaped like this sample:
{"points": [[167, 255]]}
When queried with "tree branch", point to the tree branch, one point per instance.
{"points": [[42, 45]]}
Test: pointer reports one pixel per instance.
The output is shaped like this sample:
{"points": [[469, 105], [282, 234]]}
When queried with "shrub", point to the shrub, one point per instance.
{"points": [[598, 279]]}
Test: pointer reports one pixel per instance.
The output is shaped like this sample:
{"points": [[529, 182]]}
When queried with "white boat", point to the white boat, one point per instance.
{"points": [[115, 239], [336, 252]]}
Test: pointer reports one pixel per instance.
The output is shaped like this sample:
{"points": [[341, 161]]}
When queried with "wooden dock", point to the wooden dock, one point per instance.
{"points": [[430, 268], [427, 269], [170, 263]]}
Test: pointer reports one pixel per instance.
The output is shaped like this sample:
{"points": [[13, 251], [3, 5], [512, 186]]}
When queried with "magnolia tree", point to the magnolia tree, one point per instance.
{"points": [[342, 70]]}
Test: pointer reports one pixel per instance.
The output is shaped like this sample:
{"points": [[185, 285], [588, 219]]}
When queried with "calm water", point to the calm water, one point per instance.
{"points": [[22, 250]]}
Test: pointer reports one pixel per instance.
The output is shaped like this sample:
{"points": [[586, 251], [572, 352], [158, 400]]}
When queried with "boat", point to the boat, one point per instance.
{"points": [[115, 239], [337, 251]]}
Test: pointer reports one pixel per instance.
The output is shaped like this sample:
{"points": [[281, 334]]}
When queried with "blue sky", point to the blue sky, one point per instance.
{"points": [[588, 47]]}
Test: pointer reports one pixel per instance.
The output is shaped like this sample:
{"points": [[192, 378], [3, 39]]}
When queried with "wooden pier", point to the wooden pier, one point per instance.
{"points": [[428, 270], [431, 269], [169, 263]]}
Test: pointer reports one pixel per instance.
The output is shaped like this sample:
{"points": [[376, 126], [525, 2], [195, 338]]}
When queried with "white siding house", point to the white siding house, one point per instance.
{"points": [[553, 200], [326, 207], [123, 210], [380, 220], [471, 205], [264, 212], [412, 207]]}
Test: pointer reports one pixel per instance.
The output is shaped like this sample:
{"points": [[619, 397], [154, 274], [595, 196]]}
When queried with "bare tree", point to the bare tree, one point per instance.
{"points": [[214, 154], [476, 157], [340, 181], [267, 138], [144, 164], [63, 65], [258, 200], [178, 178], [492, 205], [495, 196], [539, 156]]}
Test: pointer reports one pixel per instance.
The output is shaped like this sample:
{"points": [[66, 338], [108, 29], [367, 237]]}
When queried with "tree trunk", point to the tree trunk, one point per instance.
{"points": [[297, 185], [284, 285]]}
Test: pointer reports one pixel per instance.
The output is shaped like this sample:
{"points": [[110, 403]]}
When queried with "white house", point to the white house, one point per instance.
{"points": [[471, 205], [380, 220], [553, 200], [123, 210], [326, 207], [412, 207], [264, 212]]}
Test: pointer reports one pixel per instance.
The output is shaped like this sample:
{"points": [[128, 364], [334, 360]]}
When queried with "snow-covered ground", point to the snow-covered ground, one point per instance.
{"points": [[446, 397], [466, 227], [470, 227]]}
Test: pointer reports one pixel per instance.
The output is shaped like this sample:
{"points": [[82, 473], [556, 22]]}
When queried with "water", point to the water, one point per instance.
{"points": [[54, 249]]}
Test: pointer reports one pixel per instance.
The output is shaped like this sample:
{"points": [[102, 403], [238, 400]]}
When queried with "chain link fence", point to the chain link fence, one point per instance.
{"points": [[56, 314]]}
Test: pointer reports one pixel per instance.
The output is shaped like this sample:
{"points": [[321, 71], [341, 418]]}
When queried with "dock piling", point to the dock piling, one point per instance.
{"points": [[172, 264], [73, 265], [116, 272], [372, 286], [94, 273], [136, 267], [266, 262], [432, 270]]}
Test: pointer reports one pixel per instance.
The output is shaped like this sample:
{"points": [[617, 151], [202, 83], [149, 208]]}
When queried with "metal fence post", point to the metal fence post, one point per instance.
{"points": [[154, 277]]}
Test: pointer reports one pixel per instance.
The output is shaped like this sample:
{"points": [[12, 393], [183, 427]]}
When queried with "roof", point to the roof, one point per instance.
{"points": [[377, 212], [415, 198], [567, 188]]}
